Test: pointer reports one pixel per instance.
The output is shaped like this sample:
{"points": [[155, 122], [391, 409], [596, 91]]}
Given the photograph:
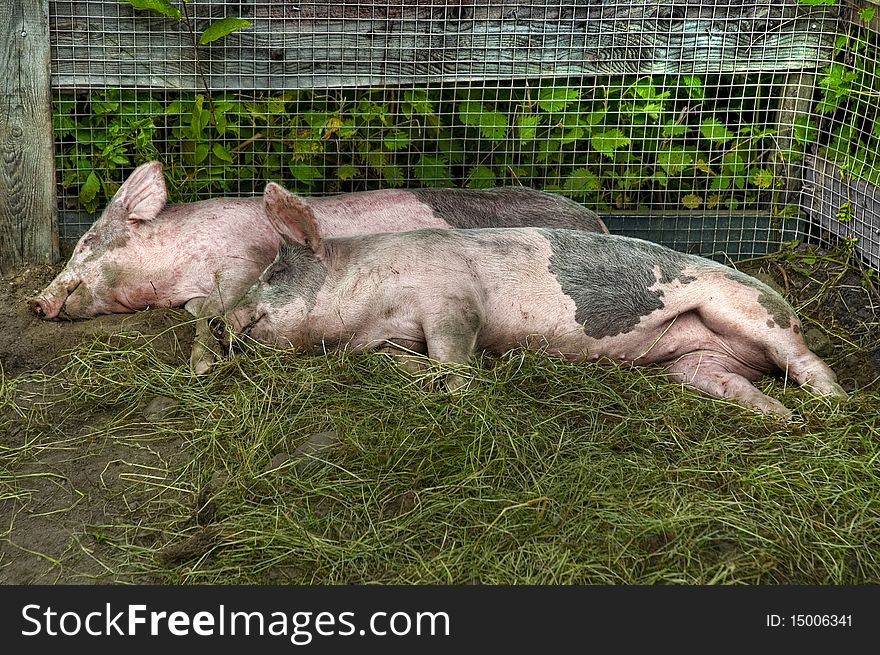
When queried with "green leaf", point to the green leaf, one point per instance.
{"points": [[377, 159], [714, 130], [202, 151], [609, 141], [694, 86], [527, 127], [481, 177], [581, 180], [469, 112], [317, 120], [557, 98], [596, 117], [393, 175], [674, 160], [673, 129], [762, 178], [867, 14], [89, 190], [845, 213], [721, 183], [62, 125], [347, 172], [160, 6], [305, 173], [220, 123], [396, 140], [275, 105], [648, 91], [198, 118], [691, 201], [220, 28], [432, 171], [733, 163], [805, 130], [222, 153], [419, 103], [101, 107], [492, 124], [816, 3]]}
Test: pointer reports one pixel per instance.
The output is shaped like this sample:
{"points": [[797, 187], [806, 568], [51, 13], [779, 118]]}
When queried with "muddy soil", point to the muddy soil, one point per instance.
{"points": [[50, 516]]}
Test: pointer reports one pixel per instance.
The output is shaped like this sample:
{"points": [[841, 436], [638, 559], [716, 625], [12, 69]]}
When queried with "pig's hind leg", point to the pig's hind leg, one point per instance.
{"points": [[796, 361], [783, 347], [703, 373]]}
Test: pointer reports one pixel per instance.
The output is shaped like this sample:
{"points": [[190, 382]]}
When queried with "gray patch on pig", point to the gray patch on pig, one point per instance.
{"points": [[610, 281], [296, 273], [775, 304], [507, 207], [104, 236]]}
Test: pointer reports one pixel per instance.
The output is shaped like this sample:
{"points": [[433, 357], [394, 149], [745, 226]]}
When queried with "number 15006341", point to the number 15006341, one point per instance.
{"points": [[809, 621]]}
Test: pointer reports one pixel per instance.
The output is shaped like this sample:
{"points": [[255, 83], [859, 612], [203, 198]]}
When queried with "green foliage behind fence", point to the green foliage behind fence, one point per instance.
{"points": [[627, 144], [621, 143]]}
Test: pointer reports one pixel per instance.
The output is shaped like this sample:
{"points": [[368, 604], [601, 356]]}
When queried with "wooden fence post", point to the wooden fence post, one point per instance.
{"points": [[28, 201]]}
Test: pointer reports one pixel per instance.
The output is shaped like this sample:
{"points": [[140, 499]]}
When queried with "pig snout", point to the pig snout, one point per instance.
{"points": [[240, 321], [43, 307], [50, 303]]}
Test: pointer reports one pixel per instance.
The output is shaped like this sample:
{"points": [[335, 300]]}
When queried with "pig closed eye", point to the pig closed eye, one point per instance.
{"points": [[275, 275]]}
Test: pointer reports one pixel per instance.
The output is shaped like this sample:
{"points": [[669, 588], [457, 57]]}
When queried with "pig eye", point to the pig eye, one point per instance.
{"points": [[274, 274]]}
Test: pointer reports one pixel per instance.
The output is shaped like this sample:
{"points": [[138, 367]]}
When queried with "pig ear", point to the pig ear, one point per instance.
{"points": [[143, 195], [291, 217]]}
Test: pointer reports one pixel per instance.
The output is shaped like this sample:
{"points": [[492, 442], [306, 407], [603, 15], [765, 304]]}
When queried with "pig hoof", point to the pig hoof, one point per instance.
{"points": [[201, 367], [771, 406], [456, 383], [201, 362]]}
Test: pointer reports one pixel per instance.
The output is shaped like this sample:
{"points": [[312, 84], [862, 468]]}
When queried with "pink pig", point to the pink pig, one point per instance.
{"points": [[204, 256]]}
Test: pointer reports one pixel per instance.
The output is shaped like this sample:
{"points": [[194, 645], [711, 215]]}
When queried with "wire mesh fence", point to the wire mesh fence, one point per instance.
{"points": [[719, 127]]}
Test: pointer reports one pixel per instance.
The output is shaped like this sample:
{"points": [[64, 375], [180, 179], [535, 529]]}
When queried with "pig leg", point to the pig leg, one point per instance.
{"points": [[798, 362], [452, 339], [205, 347], [703, 373], [786, 350], [227, 292], [408, 354]]}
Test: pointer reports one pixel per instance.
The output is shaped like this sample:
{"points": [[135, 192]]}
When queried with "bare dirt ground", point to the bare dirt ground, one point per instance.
{"points": [[47, 526], [42, 522]]}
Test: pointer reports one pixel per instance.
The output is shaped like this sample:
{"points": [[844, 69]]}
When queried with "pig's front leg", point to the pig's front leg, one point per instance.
{"points": [[228, 290], [205, 348], [452, 337], [410, 355]]}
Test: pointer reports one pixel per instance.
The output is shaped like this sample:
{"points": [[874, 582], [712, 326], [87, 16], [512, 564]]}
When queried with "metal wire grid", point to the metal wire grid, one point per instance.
{"points": [[334, 97]]}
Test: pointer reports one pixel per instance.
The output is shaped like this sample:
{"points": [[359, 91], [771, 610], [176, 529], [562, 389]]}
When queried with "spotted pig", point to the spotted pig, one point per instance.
{"points": [[578, 295]]}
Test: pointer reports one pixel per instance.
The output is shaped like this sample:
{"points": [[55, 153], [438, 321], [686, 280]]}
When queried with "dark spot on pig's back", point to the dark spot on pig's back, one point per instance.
{"points": [[507, 207], [779, 310], [610, 278]]}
